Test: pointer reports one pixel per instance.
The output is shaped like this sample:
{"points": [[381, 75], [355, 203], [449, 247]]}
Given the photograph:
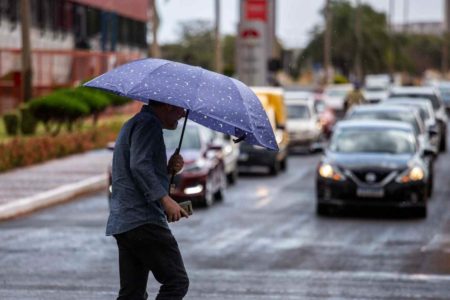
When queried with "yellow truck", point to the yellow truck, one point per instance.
{"points": [[272, 100]]}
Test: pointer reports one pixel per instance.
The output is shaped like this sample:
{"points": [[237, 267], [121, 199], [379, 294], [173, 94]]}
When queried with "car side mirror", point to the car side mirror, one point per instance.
{"points": [[432, 132], [318, 148], [427, 152]]}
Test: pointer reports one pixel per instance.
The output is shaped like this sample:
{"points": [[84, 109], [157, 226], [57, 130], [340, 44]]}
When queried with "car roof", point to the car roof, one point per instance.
{"points": [[344, 86], [294, 95], [374, 107], [413, 101], [375, 124], [271, 89], [418, 90]]}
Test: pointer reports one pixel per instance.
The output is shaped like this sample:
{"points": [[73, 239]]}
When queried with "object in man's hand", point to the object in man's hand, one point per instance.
{"points": [[187, 206]]}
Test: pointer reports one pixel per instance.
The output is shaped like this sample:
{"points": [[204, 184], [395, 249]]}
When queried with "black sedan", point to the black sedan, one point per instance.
{"points": [[373, 163]]}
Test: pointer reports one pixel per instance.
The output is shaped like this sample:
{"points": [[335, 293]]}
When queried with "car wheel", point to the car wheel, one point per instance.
{"points": [[420, 212], [443, 142], [283, 164], [430, 187], [275, 168], [322, 209]]}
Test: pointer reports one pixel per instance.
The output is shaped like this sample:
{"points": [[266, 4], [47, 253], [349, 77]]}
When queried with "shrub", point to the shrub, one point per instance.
{"points": [[11, 121], [21, 152], [340, 79], [58, 108], [28, 122], [96, 100]]}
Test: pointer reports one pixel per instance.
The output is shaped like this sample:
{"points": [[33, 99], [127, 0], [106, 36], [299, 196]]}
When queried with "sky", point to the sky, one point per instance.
{"points": [[295, 18]]}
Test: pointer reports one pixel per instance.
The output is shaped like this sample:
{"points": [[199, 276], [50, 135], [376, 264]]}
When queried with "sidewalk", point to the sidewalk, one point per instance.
{"points": [[27, 189]]}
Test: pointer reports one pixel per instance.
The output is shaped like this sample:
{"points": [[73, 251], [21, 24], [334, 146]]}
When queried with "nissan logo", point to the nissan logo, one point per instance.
{"points": [[371, 177]]}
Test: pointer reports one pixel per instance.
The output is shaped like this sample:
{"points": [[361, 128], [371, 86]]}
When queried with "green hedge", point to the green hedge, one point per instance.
{"points": [[21, 152], [11, 121]]}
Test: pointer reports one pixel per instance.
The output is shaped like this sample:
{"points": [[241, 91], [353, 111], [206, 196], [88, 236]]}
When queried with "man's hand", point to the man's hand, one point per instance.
{"points": [[175, 164], [173, 210]]}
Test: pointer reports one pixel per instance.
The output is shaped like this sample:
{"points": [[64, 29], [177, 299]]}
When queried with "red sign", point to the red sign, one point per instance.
{"points": [[256, 10], [250, 33]]}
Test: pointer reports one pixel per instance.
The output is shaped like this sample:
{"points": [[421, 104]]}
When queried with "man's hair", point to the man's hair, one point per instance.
{"points": [[154, 103]]}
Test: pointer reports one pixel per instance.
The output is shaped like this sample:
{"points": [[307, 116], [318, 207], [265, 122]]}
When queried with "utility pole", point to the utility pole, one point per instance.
{"points": [[327, 42], [154, 50], [218, 46], [405, 15], [27, 88], [390, 59], [358, 33], [445, 37]]}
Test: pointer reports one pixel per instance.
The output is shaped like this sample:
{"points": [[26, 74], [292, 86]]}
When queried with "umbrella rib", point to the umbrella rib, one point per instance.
{"points": [[147, 75], [202, 71]]}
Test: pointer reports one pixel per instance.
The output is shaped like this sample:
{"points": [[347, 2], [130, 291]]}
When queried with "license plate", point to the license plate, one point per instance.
{"points": [[370, 192], [243, 156]]}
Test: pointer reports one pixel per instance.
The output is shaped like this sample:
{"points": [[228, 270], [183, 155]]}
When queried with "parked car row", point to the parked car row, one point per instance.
{"points": [[383, 154]]}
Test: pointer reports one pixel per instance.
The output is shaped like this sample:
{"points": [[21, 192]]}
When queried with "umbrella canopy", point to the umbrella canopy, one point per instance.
{"points": [[216, 101]]}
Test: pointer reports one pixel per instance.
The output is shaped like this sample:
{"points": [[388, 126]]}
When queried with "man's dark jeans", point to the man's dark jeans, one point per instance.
{"points": [[150, 248]]}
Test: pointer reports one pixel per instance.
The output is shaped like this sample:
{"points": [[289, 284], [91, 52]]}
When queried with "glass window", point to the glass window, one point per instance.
{"points": [[191, 138], [361, 140], [298, 112], [389, 116]]}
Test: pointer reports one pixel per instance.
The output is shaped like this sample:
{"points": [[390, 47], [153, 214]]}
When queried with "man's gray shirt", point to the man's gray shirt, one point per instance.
{"points": [[139, 174]]}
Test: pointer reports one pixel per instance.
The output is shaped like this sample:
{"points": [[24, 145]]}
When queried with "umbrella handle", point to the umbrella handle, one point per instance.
{"points": [[177, 151]]}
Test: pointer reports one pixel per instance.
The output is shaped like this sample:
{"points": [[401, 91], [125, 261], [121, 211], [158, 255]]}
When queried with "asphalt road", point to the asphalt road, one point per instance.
{"points": [[263, 242]]}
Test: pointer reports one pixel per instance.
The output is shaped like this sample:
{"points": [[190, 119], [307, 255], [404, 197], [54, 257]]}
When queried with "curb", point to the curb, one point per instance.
{"points": [[52, 197]]}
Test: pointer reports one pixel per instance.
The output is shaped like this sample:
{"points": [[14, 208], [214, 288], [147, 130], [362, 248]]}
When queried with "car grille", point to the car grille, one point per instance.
{"points": [[371, 176]]}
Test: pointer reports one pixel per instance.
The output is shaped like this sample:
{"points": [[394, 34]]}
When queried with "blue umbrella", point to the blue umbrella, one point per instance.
{"points": [[216, 101]]}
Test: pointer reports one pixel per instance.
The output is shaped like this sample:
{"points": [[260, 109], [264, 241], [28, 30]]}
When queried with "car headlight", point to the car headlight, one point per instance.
{"points": [[330, 172], [412, 174]]}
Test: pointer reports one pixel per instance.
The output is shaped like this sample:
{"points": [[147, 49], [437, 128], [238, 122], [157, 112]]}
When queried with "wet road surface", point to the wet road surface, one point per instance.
{"points": [[264, 241]]}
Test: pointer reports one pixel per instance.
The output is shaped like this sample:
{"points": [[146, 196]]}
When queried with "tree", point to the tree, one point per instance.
{"points": [[27, 88], [374, 39]]}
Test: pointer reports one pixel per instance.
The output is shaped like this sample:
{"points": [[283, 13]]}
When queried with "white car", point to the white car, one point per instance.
{"points": [[334, 95], [303, 123], [434, 96], [375, 94]]}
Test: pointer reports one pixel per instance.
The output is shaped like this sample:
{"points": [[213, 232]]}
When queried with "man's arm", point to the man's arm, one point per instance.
{"points": [[143, 145]]}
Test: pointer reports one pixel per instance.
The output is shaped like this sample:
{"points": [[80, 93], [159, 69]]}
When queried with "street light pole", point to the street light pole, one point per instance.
{"points": [[27, 92], [445, 36], [358, 33], [218, 46], [327, 42]]}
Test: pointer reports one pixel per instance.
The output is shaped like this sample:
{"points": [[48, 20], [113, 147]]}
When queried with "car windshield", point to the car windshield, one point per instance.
{"points": [[434, 100], [375, 89], [422, 108], [191, 138], [387, 115], [445, 93], [298, 112], [380, 140], [336, 93]]}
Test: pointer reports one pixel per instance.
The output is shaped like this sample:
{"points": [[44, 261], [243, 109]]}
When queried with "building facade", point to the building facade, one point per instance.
{"points": [[71, 41]]}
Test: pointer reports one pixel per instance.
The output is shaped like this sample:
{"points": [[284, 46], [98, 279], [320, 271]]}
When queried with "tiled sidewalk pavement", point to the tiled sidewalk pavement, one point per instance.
{"points": [[26, 189]]}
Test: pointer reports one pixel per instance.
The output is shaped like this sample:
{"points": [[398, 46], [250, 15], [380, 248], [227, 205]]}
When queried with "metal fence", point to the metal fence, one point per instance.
{"points": [[53, 69]]}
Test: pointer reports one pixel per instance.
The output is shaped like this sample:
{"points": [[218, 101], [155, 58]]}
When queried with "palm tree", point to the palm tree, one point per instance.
{"points": [[154, 49]]}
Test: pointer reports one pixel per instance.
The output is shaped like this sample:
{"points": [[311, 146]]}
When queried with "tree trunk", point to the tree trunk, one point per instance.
{"points": [[154, 50], [218, 46], [26, 51]]}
